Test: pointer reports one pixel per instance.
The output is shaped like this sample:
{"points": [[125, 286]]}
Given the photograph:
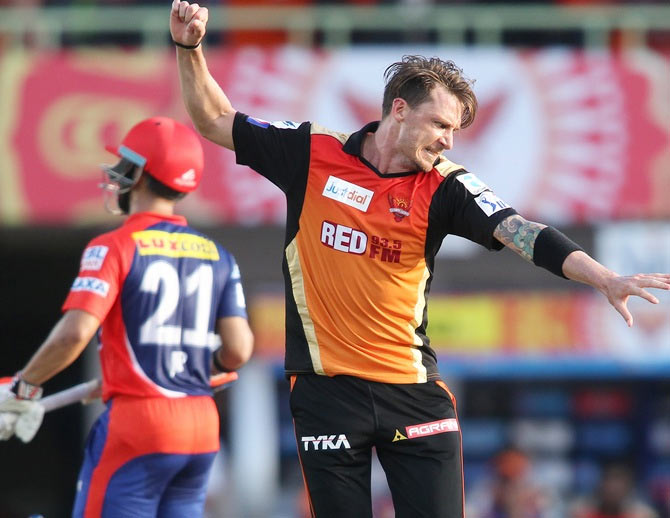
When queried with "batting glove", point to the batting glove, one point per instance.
{"points": [[20, 412], [7, 425], [7, 419]]}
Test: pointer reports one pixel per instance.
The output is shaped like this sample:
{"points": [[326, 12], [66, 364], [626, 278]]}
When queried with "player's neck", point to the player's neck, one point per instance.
{"points": [[144, 202], [380, 149]]}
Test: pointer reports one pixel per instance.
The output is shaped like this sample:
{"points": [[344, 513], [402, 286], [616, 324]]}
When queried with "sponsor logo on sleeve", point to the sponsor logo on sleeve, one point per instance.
{"points": [[258, 122], [92, 284], [276, 124], [490, 203], [235, 274], [285, 124], [348, 193], [239, 296], [432, 428], [472, 183], [93, 257]]}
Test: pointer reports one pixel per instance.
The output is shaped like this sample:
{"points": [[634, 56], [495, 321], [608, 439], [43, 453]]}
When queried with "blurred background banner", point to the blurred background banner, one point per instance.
{"points": [[522, 335], [563, 135]]}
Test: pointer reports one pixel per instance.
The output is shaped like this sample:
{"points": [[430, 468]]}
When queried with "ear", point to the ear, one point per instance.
{"points": [[399, 109]]}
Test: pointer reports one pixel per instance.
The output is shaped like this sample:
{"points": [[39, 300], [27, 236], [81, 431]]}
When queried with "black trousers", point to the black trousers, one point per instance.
{"points": [[414, 429]]}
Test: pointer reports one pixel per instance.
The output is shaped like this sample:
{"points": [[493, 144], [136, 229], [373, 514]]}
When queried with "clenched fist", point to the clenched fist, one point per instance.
{"points": [[188, 23]]}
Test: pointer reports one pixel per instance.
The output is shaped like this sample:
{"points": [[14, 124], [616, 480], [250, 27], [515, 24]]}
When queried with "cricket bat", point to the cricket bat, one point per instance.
{"points": [[88, 391]]}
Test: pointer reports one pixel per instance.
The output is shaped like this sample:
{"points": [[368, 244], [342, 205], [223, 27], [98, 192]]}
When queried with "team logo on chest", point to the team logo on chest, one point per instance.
{"points": [[400, 206]]}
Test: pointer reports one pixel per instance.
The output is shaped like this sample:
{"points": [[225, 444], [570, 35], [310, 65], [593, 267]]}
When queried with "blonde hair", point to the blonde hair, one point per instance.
{"points": [[413, 78]]}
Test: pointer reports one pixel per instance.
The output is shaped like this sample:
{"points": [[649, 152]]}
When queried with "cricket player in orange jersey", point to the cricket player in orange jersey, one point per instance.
{"points": [[366, 214]]}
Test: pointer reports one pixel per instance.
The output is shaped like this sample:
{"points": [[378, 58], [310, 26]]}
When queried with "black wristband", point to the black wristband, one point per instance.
{"points": [[551, 249], [187, 47], [217, 363]]}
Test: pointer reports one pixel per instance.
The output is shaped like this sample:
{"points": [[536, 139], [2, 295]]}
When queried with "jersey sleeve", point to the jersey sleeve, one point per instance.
{"points": [[97, 285], [277, 150], [465, 206], [232, 302]]}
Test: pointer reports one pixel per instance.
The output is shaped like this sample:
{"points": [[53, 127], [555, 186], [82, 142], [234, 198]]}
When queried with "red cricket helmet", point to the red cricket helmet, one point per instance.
{"points": [[165, 149]]}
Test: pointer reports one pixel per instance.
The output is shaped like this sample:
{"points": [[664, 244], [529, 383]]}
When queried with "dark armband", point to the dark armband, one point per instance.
{"points": [[219, 366], [551, 249]]}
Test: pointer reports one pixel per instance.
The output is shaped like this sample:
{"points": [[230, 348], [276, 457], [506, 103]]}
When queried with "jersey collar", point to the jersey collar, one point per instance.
{"points": [[354, 144]]}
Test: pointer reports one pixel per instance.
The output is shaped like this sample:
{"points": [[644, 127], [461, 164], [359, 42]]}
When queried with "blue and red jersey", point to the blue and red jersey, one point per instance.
{"points": [[158, 287]]}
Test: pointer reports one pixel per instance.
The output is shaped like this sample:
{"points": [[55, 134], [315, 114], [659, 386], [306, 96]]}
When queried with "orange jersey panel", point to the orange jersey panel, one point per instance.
{"points": [[360, 247], [364, 271]]}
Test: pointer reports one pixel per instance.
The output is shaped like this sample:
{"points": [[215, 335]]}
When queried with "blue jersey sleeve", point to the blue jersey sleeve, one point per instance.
{"points": [[232, 302]]}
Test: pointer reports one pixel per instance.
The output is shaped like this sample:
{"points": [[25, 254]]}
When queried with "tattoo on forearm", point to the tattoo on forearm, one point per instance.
{"points": [[519, 234]]}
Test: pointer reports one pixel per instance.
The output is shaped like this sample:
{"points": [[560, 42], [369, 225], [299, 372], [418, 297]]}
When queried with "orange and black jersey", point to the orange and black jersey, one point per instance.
{"points": [[360, 247]]}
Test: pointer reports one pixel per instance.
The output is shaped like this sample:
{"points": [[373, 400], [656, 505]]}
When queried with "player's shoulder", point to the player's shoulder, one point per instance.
{"points": [[446, 168], [272, 125], [318, 129], [456, 176], [101, 248], [110, 238]]}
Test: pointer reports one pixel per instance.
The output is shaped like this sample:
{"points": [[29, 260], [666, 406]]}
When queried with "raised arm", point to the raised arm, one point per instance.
{"points": [[209, 108], [549, 248]]}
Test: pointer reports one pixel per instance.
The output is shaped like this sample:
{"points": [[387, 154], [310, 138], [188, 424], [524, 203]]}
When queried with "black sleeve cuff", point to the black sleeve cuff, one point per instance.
{"points": [[551, 249]]}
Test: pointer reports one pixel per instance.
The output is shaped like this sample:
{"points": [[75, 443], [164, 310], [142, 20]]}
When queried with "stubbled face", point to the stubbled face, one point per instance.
{"points": [[428, 129]]}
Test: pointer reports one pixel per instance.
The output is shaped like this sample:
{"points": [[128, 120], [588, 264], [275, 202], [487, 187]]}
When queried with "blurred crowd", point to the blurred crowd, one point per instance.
{"points": [[513, 490], [518, 38], [325, 2]]}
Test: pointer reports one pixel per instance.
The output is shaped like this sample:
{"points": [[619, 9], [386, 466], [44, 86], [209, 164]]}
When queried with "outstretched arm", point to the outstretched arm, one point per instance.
{"points": [[209, 108], [559, 255], [580, 267], [519, 234]]}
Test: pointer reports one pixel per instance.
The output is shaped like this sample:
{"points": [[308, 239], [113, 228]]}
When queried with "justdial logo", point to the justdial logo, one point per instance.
{"points": [[348, 193]]}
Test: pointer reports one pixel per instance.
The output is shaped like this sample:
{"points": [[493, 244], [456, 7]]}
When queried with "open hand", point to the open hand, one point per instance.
{"points": [[619, 288]]}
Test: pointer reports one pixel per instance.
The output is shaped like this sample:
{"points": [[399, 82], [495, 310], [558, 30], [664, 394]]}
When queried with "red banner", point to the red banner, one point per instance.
{"points": [[563, 136]]}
